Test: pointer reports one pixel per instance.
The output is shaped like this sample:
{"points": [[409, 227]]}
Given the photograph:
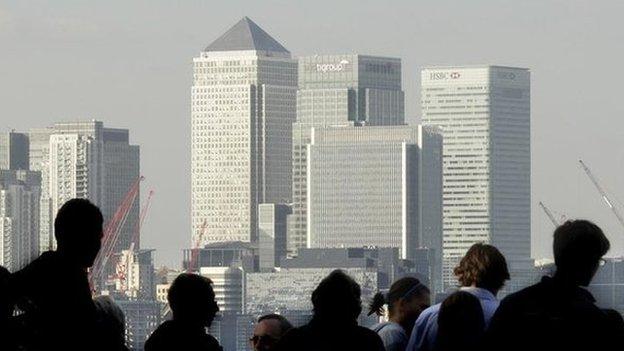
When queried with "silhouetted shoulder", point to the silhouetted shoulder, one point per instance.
{"points": [[308, 338], [174, 336]]}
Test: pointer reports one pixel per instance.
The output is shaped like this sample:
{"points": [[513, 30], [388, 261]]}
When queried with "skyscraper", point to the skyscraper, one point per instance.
{"points": [[121, 170], [13, 151], [484, 115], [84, 159], [336, 90], [19, 217], [366, 187], [243, 105]]}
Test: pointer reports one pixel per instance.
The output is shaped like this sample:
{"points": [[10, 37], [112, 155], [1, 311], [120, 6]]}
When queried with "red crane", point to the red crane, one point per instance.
{"points": [[134, 241], [112, 230]]}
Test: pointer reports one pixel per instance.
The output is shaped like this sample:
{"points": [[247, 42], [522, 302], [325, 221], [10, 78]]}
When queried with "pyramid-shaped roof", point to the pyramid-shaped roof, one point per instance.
{"points": [[246, 35]]}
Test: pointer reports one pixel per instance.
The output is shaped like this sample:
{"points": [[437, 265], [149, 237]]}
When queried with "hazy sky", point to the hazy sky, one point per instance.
{"points": [[128, 63]]}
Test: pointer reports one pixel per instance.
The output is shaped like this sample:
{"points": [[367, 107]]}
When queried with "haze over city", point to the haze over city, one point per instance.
{"points": [[129, 65]]}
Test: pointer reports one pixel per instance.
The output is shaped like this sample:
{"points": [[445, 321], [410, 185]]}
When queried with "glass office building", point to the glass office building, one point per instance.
{"points": [[338, 90]]}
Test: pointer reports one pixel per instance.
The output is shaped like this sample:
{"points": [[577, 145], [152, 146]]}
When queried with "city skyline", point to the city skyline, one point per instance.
{"points": [[572, 194]]}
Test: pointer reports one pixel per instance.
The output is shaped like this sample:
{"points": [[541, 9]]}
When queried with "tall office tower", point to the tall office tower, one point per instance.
{"points": [[84, 159], [121, 171], [39, 161], [13, 151], [75, 169], [367, 186], [338, 90], [19, 217], [484, 115], [242, 109]]}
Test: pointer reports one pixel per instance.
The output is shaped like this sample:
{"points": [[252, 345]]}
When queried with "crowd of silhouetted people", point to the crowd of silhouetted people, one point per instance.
{"points": [[48, 305]]}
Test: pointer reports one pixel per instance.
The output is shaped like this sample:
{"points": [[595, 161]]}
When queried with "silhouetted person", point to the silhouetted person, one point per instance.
{"points": [[53, 291], [406, 299], [460, 323], [336, 306], [558, 313], [192, 302], [269, 331], [482, 272], [111, 325], [6, 309], [616, 322]]}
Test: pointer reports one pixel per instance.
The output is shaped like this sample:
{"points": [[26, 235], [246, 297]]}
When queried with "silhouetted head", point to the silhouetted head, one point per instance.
{"points": [[78, 231], [483, 266], [268, 331], [192, 299], [578, 247], [111, 324], [460, 323], [336, 299], [406, 299]]}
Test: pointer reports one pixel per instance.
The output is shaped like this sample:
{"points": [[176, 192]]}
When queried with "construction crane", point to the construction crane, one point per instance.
{"points": [[602, 192], [549, 214], [195, 249], [134, 241], [111, 232]]}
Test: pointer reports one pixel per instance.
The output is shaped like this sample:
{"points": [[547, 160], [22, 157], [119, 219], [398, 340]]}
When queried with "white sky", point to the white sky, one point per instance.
{"points": [[128, 63]]}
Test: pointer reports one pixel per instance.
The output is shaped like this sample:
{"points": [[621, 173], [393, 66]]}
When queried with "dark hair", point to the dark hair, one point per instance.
{"points": [[337, 298], [579, 243], [405, 288], [187, 295], [461, 323], [76, 218], [484, 266], [283, 322]]}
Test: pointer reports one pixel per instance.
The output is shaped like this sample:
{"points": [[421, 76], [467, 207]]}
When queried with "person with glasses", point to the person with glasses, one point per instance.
{"points": [[406, 299], [558, 313], [268, 331]]}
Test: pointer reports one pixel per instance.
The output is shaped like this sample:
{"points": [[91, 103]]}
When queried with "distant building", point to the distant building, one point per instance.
{"points": [[608, 285], [86, 160], [122, 164], [484, 115], [222, 254], [272, 230], [142, 318], [14, 151], [134, 274], [338, 90], [376, 186], [242, 108], [288, 290], [228, 286], [19, 217]]}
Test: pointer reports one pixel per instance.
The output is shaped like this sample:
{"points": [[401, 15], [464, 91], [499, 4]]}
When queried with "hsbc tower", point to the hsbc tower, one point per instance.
{"points": [[484, 115]]}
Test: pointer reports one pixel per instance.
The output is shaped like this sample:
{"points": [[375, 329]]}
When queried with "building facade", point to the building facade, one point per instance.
{"points": [[484, 115], [19, 217], [13, 151], [338, 90], [242, 108], [272, 230], [83, 159], [368, 186]]}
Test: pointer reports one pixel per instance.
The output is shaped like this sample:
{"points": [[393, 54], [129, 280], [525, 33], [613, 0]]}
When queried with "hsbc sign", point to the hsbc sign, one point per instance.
{"points": [[444, 75]]}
